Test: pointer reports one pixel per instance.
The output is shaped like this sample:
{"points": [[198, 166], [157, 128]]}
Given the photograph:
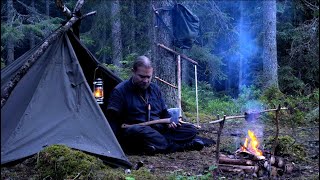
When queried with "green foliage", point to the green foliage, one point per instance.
{"points": [[185, 176], [248, 99], [287, 146], [142, 173], [302, 109], [87, 40], [272, 97], [210, 65], [298, 47], [125, 71], [289, 82], [209, 102], [14, 33]]}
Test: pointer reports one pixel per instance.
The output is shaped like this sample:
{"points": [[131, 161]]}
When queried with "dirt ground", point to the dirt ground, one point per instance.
{"points": [[197, 164]]}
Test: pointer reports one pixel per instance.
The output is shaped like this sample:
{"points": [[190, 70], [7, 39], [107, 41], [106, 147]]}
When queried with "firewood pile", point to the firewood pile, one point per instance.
{"points": [[245, 162]]}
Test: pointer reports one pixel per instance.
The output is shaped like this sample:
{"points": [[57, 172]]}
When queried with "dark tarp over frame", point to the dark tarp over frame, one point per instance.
{"points": [[53, 104]]}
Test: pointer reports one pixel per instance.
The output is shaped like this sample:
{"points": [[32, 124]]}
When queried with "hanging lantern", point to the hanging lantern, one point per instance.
{"points": [[98, 90]]}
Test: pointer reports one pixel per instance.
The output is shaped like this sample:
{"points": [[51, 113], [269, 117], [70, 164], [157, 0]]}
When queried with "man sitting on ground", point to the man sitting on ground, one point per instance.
{"points": [[138, 100]]}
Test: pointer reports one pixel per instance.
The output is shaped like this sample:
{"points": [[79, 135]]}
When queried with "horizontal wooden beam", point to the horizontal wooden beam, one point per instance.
{"points": [[246, 115], [163, 81], [176, 53]]}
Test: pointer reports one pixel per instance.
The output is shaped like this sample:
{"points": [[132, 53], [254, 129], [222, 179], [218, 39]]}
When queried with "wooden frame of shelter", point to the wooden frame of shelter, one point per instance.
{"points": [[179, 56]]}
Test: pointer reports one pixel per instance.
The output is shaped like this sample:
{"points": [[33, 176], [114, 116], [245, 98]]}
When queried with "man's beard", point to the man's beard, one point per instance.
{"points": [[143, 86]]}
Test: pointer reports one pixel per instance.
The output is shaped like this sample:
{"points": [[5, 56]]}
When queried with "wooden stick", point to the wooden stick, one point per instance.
{"points": [[275, 144], [227, 118], [163, 81], [160, 121], [218, 139], [176, 53], [179, 83], [246, 115], [226, 160]]}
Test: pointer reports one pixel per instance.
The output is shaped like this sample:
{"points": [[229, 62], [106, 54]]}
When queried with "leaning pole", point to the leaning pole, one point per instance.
{"points": [[44, 46]]}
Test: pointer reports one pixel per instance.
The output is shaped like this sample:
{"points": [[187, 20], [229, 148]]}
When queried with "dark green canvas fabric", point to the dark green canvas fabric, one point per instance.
{"points": [[53, 104], [186, 26]]}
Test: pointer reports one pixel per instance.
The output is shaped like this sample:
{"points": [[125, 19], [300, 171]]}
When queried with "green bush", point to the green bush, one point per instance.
{"points": [[287, 146], [301, 109]]}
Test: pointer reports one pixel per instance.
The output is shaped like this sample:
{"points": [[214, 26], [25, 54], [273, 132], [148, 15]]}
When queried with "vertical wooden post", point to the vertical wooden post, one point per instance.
{"points": [[179, 84], [275, 144], [196, 83], [218, 139]]}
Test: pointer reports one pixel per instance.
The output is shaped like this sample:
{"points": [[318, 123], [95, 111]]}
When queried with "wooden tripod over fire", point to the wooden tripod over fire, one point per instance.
{"points": [[248, 116]]}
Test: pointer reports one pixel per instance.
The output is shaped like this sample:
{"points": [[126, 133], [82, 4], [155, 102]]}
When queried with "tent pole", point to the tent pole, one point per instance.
{"points": [[179, 84], [196, 81], [34, 57]]}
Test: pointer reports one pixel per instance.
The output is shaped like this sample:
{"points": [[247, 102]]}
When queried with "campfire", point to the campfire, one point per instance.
{"points": [[250, 158]]}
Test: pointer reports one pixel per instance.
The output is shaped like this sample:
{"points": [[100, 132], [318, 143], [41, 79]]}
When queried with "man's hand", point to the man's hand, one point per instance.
{"points": [[174, 125]]}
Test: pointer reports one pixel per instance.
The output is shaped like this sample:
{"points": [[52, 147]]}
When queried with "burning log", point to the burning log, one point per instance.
{"points": [[226, 160], [277, 161], [248, 155], [232, 168]]}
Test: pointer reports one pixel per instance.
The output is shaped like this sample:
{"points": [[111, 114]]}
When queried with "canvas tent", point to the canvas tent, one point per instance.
{"points": [[53, 104]]}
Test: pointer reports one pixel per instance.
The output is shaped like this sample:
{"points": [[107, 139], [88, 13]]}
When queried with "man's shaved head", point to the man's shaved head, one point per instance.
{"points": [[142, 61], [142, 72]]}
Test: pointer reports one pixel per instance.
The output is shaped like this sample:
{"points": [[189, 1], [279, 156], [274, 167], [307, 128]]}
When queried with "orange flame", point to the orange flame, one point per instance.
{"points": [[98, 93], [252, 145]]}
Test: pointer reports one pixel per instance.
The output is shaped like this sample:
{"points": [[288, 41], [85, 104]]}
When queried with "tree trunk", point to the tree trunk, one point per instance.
{"points": [[165, 63], [10, 42], [241, 35], [116, 33], [132, 27], [31, 34], [186, 70], [48, 8], [99, 32], [270, 65]]}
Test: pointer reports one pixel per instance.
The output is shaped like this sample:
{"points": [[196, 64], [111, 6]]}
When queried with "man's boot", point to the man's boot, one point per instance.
{"points": [[150, 150], [195, 144]]}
